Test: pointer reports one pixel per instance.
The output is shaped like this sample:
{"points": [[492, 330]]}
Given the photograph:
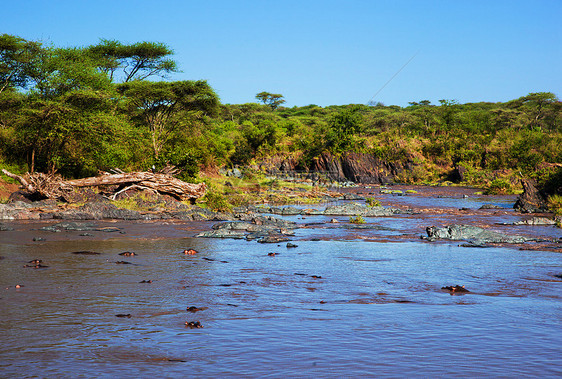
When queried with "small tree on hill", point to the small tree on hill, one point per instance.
{"points": [[274, 100]]}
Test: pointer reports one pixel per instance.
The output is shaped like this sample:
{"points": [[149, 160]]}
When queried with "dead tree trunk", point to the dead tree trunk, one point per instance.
{"points": [[51, 186]]}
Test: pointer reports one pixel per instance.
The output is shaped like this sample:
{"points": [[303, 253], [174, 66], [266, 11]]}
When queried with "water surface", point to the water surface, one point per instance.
{"points": [[341, 306]]}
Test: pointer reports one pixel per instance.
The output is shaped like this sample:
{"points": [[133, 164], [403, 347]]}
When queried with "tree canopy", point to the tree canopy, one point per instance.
{"points": [[158, 105], [17, 57], [137, 61], [273, 100]]}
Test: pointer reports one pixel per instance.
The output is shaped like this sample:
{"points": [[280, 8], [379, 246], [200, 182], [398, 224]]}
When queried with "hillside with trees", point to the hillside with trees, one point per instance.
{"points": [[79, 110]]}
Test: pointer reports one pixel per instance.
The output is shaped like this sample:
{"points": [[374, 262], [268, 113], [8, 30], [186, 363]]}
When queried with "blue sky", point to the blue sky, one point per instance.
{"points": [[326, 52]]}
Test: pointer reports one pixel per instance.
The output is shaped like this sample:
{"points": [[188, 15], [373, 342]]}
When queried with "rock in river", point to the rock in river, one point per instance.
{"points": [[474, 234]]}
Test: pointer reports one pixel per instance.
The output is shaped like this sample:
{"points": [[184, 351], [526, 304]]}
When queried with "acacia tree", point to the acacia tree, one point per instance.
{"points": [[540, 107], [17, 55], [158, 104], [137, 61], [274, 100]]}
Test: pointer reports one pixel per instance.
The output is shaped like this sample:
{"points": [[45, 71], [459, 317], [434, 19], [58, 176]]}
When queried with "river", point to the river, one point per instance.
{"points": [[345, 303]]}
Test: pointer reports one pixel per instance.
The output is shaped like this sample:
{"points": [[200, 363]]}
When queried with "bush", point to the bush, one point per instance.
{"points": [[555, 204], [499, 187], [186, 161], [217, 202], [357, 220], [372, 202]]}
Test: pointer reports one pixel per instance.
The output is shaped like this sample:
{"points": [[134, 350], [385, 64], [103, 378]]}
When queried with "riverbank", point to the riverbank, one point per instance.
{"points": [[350, 209]]}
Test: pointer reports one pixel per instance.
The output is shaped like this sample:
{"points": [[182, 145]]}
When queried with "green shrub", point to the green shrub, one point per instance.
{"points": [[555, 204], [372, 202], [357, 220], [499, 187], [216, 202]]}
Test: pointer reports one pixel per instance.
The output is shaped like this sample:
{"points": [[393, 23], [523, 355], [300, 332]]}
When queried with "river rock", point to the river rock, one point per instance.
{"points": [[355, 209], [18, 210], [4, 228], [71, 226], [352, 196], [286, 211], [536, 221], [273, 221], [273, 239], [473, 234], [98, 211], [256, 227]]}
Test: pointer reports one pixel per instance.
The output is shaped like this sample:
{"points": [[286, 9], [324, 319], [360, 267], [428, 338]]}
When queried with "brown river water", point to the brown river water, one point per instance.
{"points": [[346, 302]]}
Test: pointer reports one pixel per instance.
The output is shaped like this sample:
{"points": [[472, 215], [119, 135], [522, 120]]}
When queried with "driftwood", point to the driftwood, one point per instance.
{"points": [[54, 187]]}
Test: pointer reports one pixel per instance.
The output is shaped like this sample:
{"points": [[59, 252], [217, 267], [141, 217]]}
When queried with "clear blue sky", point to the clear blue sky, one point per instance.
{"points": [[325, 51]]}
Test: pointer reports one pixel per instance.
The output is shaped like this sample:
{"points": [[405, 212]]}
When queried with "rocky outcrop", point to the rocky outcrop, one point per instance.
{"points": [[458, 175], [348, 209], [78, 227], [473, 234], [354, 209], [19, 210], [106, 210], [358, 168], [354, 167], [98, 211], [264, 229], [535, 221], [531, 200]]}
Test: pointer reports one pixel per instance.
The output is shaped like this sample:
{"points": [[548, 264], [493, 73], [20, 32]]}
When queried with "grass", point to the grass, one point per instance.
{"points": [[136, 202], [129, 203]]}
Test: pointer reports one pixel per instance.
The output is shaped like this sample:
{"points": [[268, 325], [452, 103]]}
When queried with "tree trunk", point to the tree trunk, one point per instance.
{"points": [[51, 186]]}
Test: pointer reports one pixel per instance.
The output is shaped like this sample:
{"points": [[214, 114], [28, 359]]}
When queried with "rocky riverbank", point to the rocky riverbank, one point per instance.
{"points": [[428, 209]]}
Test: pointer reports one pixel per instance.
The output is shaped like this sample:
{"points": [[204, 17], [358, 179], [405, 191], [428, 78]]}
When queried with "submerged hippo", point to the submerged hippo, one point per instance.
{"points": [[194, 309], [193, 324], [128, 254], [35, 263], [457, 289]]}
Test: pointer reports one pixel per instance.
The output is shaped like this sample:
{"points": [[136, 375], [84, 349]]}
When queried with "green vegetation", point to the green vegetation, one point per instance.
{"points": [[274, 100], [372, 202], [357, 220], [216, 201], [499, 187], [76, 111], [555, 204]]}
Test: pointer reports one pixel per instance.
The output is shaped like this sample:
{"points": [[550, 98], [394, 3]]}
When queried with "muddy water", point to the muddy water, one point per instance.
{"points": [[358, 302]]}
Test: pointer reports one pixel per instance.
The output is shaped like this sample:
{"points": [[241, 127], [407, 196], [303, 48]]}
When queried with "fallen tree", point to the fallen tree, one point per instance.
{"points": [[55, 187]]}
